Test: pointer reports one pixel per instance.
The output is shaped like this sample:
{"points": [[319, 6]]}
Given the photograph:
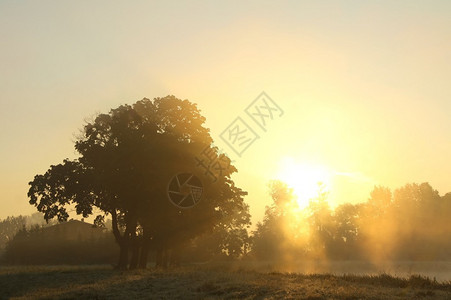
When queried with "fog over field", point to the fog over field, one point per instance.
{"points": [[440, 270]]}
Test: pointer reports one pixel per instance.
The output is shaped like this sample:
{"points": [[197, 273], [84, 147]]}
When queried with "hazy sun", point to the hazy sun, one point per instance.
{"points": [[304, 178]]}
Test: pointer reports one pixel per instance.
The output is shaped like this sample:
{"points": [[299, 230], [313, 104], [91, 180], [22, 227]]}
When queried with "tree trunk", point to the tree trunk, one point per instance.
{"points": [[175, 257], [135, 253], [159, 258], [144, 255], [121, 241], [123, 256], [145, 249], [164, 263]]}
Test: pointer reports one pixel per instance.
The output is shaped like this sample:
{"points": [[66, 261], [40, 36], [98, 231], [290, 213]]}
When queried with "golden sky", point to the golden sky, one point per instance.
{"points": [[364, 86]]}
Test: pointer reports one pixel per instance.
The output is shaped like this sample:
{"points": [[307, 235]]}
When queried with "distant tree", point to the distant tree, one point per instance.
{"points": [[276, 237], [409, 224], [321, 224], [229, 238], [346, 235], [127, 158], [11, 225], [422, 228], [380, 200], [224, 241]]}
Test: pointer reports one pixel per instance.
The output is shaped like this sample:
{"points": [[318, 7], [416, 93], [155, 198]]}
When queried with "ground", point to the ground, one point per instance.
{"points": [[207, 282]]}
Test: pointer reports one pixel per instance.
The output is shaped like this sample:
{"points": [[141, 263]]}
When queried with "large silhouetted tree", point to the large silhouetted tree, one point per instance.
{"points": [[127, 158]]}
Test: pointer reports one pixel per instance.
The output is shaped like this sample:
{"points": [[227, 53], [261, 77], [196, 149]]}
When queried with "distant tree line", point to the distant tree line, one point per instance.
{"points": [[10, 226], [413, 223], [36, 247]]}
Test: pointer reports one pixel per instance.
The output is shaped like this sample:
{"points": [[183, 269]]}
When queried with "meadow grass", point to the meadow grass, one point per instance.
{"points": [[208, 281]]}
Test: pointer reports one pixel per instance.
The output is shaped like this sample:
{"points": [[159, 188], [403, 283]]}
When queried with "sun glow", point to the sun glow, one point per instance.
{"points": [[304, 179]]}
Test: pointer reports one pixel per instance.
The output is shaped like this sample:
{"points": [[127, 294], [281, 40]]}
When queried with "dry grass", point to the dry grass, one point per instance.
{"points": [[207, 282]]}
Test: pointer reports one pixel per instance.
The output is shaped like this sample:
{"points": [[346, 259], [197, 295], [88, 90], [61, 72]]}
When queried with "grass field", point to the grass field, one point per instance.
{"points": [[207, 282]]}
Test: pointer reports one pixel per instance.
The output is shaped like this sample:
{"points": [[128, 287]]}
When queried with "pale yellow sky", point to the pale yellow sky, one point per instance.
{"points": [[364, 87]]}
